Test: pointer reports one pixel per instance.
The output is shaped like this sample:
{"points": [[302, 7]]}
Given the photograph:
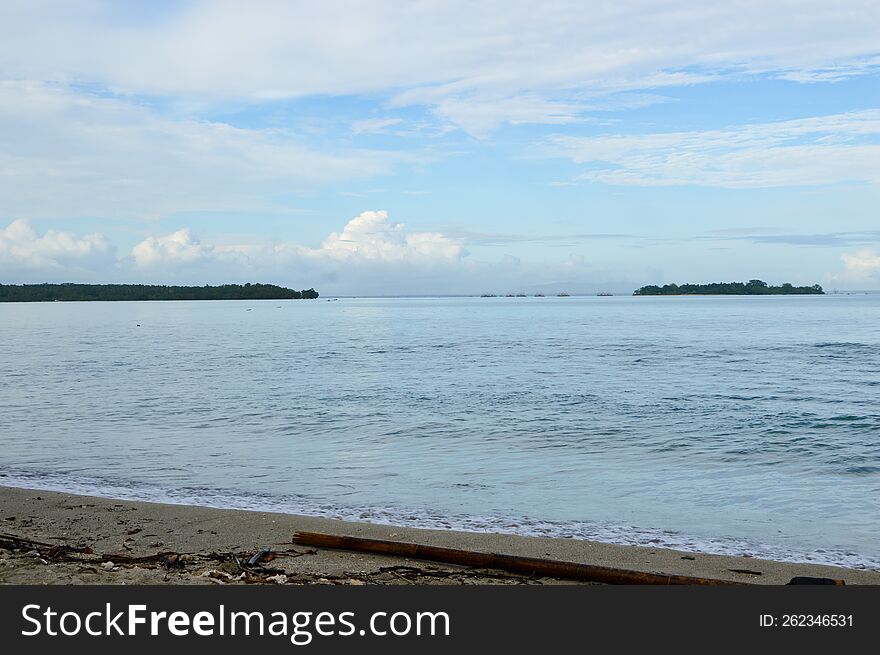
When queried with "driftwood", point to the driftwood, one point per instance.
{"points": [[805, 579], [22, 541], [511, 563]]}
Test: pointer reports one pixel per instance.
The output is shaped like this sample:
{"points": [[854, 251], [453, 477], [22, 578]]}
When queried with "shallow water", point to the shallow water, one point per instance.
{"points": [[735, 425]]}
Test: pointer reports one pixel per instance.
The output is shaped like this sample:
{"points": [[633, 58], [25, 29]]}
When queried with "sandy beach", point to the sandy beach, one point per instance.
{"points": [[56, 538]]}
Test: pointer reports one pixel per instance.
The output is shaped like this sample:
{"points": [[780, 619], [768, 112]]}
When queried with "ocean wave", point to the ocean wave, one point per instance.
{"points": [[604, 532]]}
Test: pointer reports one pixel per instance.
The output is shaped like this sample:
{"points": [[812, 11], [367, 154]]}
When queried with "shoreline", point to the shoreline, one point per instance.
{"points": [[82, 533], [605, 533]]}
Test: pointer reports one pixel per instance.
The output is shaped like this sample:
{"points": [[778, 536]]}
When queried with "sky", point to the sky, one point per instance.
{"points": [[440, 147]]}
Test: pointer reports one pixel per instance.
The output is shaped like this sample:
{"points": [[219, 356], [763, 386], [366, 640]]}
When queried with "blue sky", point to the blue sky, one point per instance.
{"points": [[440, 147]]}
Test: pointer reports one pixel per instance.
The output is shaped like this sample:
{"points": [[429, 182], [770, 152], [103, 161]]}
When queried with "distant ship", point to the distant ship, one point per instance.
{"points": [[562, 294], [604, 294]]}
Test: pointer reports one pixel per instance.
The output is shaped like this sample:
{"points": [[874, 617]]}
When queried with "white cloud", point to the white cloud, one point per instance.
{"points": [[181, 247], [861, 270], [503, 53], [810, 151], [371, 255], [25, 253], [480, 115], [831, 73], [374, 125], [862, 265], [77, 154], [370, 236]]}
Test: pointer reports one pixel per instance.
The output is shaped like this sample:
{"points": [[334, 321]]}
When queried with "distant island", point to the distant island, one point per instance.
{"points": [[750, 288], [80, 292]]}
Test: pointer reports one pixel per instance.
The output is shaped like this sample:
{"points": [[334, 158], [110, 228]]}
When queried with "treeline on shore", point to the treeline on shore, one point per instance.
{"points": [[750, 288], [80, 292]]}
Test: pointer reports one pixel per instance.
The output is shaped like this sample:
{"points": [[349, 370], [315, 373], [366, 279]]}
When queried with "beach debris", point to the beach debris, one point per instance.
{"points": [[745, 571], [228, 567], [805, 579], [20, 542], [85, 550], [259, 570], [419, 575], [232, 567], [300, 553], [511, 563], [259, 556]]}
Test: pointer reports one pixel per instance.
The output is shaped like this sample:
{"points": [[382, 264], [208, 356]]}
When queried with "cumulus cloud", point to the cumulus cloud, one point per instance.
{"points": [[368, 238], [863, 264], [370, 249], [24, 252], [819, 150], [372, 236], [861, 270], [180, 247], [371, 255]]}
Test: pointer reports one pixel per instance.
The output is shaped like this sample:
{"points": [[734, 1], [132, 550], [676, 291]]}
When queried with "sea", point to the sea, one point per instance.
{"points": [[735, 425]]}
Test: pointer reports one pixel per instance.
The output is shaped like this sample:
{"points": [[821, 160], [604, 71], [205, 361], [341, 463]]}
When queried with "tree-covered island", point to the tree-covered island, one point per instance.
{"points": [[80, 292], [750, 288]]}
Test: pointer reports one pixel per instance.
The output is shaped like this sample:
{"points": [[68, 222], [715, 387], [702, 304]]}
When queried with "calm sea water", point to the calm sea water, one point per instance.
{"points": [[735, 425]]}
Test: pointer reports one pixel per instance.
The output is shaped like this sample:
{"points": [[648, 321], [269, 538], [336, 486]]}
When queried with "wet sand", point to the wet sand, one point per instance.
{"points": [[55, 538]]}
